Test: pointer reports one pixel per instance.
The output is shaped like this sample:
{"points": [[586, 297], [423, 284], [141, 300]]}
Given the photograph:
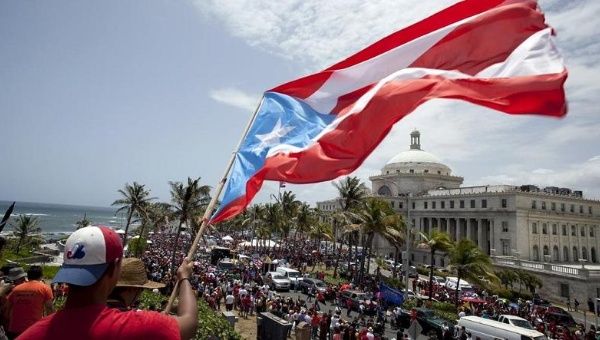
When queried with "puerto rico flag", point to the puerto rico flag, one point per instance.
{"points": [[496, 53]]}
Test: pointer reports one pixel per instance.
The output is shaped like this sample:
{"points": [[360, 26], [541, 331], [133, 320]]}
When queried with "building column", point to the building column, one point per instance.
{"points": [[480, 234], [469, 229]]}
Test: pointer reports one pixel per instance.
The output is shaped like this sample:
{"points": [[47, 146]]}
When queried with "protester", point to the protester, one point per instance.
{"points": [[132, 282], [91, 267], [29, 300]]}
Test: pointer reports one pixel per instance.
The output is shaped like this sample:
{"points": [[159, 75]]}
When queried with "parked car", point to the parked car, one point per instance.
{"points": [[277, 281], [293, 275], [356, 298], [439, 280], [430, 323], [515, 321], [306, 284]]}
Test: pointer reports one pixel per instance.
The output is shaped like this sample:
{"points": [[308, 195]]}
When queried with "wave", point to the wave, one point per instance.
{"points": [[28, 214]]}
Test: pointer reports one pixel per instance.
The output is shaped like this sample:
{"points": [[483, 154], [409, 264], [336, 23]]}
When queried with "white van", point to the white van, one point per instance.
{"points": [[451, 284], [484, 329], [293, 275]]}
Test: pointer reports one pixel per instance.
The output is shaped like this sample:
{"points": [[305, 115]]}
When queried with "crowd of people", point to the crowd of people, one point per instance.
{"points": [[112, 281]]}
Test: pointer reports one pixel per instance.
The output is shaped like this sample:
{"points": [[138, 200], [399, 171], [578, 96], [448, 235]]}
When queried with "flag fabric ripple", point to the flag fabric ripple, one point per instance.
{"points": [[495, 53]]}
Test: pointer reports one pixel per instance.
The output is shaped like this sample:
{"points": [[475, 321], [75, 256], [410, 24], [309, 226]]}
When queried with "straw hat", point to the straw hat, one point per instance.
{"points": [[133, 274]]}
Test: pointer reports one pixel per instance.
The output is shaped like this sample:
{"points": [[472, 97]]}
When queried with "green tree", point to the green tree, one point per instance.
{"points": [[289, 208], [82, 223], [25, 229], [470, 263], [435, 241], [351, 195], [507, 277], [134, 198], [305, 218], [272, 219], [187, 203], [375, 217]]}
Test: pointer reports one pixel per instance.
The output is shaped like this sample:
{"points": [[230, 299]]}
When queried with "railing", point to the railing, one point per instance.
{"points": [[550, 268]]}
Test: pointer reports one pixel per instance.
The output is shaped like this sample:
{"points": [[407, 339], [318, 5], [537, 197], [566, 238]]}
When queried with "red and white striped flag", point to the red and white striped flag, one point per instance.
{"points": [[496, 53]]}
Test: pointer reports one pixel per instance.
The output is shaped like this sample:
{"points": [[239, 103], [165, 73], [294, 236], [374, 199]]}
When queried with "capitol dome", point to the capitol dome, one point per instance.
{"points": [[416, 160]]}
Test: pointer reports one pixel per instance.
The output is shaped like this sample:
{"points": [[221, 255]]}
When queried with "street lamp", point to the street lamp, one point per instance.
{"points": [[409, 229]]}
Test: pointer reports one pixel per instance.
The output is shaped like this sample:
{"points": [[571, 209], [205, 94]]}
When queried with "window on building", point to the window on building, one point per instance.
{"points": [[400, 205], [554, 229], [562, 207], [584, 254], [439, 172], [553, 206], [534, 228], [582, 230], [544, 228], [546, 251], [397, 171], [443, 204], [590, 210], [503, 203], [412, 171], [564, 290], [505, 226], [472, 203], [573, 230], [575, 254], [425, 205], [433, 205], [413, 205], [566, 254], [555, 255], [533, 204], [505, 247], [484, 203], [387, 172], [592, 231], [564, 230], [543, 205], [426, 171], [536, 253], [462, 203], [572, 208], [393, 204], [451, 204], [581, 209]]}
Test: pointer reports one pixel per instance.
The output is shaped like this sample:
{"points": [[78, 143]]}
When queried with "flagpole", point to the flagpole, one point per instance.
{"points": [[212, 203]]}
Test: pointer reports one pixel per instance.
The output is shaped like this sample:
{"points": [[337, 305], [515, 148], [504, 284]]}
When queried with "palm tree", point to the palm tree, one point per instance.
{"points": [[188, 202], [435, 241], [351, 195], [272, 218], [134, 198], [26, 226], [254, 219], [304, 219], [82, 223], [320, 231], [376, 217], [470, 263], [289, 207]]}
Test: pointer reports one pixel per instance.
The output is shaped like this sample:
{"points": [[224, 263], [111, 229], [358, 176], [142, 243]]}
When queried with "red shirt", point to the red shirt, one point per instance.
{"points": [[100, 322], [27, 302]]}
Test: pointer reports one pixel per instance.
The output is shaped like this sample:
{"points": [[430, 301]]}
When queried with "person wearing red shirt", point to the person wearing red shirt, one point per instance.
{"points": [[91, 267]]}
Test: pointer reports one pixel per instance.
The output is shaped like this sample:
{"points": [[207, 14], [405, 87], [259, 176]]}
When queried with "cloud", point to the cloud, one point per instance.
{"points": [[315, 32], [580, 176], [473, 140], [235, 97]]}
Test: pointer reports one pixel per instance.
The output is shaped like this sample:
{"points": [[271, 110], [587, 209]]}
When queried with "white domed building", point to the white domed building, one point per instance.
{"points": [[413, 171]]}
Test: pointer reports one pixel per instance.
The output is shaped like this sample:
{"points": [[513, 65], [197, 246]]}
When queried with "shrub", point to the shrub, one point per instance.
{"points": [[211, 324]]}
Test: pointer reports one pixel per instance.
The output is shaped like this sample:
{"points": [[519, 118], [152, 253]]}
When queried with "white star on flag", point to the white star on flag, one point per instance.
{"points": [[272, 138]]}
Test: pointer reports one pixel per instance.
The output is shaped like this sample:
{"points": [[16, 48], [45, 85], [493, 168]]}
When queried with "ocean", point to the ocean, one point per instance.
{"points": [[59, 219]]}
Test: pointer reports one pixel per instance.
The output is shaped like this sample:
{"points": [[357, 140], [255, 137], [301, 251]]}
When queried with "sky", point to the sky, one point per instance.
{"points": [[94, 95]]}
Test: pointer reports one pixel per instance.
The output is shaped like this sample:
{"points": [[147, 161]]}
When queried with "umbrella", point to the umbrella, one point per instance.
{"points": [[120, 231]]}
